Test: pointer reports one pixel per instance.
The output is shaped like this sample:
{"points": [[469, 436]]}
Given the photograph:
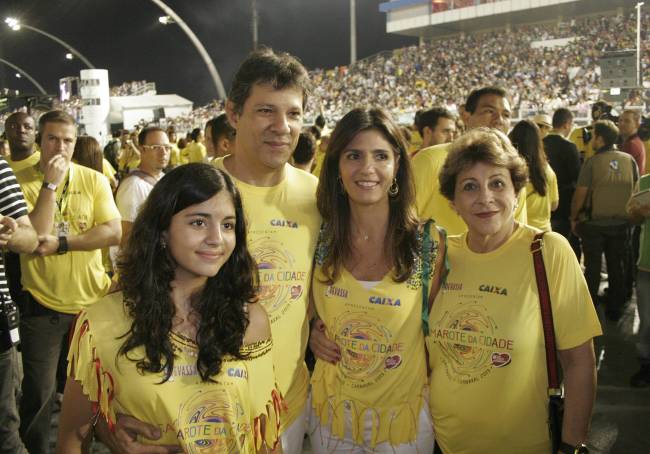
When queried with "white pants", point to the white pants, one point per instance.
{"points": [[293, 437], [323, 442]]}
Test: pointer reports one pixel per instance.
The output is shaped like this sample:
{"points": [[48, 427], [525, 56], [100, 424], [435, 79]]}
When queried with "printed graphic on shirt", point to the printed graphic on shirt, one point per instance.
{"points": [[280, 281], [207, 423], [471, 344], [367, 348]]}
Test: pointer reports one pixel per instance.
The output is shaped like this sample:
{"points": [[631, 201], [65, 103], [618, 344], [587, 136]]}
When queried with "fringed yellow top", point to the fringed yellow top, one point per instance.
{"points": [[236, 413]]}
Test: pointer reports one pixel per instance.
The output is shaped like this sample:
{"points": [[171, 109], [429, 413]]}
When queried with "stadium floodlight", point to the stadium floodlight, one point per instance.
{"points": [[166, 20], [24, 73], [221, 91], [16, 24], [18, 76], [69, 56]]}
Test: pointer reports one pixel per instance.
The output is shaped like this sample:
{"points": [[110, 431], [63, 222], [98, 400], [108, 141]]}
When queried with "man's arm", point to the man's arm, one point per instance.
{"points": [[42, 216], [24, 239], [100, 236], [126, 232], [577, 203]]}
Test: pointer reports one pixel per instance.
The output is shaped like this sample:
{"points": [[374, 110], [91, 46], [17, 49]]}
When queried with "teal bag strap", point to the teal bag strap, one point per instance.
{"points": [[426, 272]]}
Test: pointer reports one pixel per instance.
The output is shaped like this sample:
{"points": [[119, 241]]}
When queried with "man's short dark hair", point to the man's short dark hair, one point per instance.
{"points": [[429, 118], [55, 116], [472, 100], [305, 149], [219, 127], [561, 117], [142, 135], [264, 66], [606, 130]]}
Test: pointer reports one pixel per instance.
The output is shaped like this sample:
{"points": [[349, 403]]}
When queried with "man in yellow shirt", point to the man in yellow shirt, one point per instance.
{"points": [[265, 107], [72, 210], [583, 137], [486, 107], [195, 151], [21, 135]]}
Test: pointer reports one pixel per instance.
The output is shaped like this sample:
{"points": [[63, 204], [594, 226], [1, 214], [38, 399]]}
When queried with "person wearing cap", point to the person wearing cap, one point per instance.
{"points": [[544, 123]]}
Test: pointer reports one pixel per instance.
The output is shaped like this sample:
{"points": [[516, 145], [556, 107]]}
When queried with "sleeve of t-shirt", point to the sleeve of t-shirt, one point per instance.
{"points": [[423, 181], [521, 212], [105, 208], [12, 202], [573, 162], [129, 198], [584, 179], [553, 193], [574, 315]]}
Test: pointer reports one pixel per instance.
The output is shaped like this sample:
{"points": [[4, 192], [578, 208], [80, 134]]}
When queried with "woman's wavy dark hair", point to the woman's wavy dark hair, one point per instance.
{"points": [[146, 270], [527, 139], [401, 236]]}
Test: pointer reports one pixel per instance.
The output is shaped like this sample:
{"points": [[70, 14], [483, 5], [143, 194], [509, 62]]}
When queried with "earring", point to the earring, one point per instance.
{"points": [[163, 243], [394, 188]]}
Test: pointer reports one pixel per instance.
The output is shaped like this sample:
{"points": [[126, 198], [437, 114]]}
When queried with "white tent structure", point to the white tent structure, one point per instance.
{"points": [[129, 110]]}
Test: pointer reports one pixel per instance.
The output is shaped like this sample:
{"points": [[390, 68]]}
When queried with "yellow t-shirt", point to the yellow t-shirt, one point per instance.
{"points": [[431, 204], [382, 370], [194, 152], [319, 160], [29, 161], [486, 348], [221, 416], [87, 202], [586, 150], [175, 156], [108, 170], [539, 207], [416, 142], [129, 159], [283, 224]]}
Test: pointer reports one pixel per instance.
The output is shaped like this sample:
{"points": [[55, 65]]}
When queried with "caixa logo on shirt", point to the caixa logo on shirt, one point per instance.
{"points": [[384, 301], [493, 289], [238, 373], [284, 223]]}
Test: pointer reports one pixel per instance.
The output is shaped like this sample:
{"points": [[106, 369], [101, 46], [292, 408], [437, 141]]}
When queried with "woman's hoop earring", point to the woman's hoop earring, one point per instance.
{"points": [[394, 188]]}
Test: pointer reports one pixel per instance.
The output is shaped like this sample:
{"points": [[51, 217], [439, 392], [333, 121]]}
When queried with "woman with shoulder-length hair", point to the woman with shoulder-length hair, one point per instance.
{"points": [[184, 346], [374, 267], [542, 194], [489, 385]]}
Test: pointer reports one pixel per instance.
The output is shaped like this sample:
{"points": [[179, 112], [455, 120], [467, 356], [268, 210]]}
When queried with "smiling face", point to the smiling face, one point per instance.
{"points": [[367, 166], [486, 200], [268, 126], [201, 237]]}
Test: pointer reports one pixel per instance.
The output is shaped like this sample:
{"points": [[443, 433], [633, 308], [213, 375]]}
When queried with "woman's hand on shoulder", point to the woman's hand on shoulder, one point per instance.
{"points": [[259, 327]]}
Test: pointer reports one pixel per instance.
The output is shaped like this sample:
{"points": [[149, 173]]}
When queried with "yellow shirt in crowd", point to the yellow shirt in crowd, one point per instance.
{"points": [[222, 416], [486, 345], [129, 158], [283, 224], [175, 156], [382, 371], [539, 207], [194, 152], [87, 202], [586, 150], [29, 161], [431, 204]]}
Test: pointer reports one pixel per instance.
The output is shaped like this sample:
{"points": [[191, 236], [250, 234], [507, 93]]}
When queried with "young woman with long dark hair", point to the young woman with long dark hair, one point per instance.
{"points": [[184, 346]]}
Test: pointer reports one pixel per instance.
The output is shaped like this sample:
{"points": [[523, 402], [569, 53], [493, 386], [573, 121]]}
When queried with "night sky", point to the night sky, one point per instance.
{"points": [[125, 37]]}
